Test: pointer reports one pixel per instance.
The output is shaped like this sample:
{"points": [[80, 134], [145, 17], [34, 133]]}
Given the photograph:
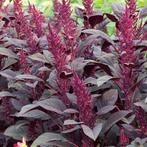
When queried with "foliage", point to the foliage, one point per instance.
{"points": [[65, 83]]}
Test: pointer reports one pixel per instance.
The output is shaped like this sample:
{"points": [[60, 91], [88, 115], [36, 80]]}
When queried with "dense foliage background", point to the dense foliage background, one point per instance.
{"points": [[73, 76]]}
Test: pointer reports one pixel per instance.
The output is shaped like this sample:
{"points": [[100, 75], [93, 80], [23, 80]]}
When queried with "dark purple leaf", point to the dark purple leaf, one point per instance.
{"points": [[95, 19], [112, 17], [114, 118], [105, 109]]}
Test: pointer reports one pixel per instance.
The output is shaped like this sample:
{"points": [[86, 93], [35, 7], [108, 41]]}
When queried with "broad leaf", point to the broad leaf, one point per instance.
{"points": [[38, 57], [129, 120], [8, 53], [18, 131], [8, 74], [71, 111], [71, 122], [72, 98], [97, 129], [8, 62], [92, 133], [103, 79], [95, 19], [88, 132], [98, 33], [53, 105], [35, 114], [90, 80], [45, 138], [48, 56], [114, 118], [105, 109], [6, 94], [110, 97], [15, 42], [27, 108], [27, 77]]}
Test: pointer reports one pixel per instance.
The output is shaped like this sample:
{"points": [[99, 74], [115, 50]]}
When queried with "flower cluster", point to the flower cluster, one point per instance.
{"points": [[58, 50], [37, 19], [127, 57], [88, 5], [23, 26], [84, 101], [128, 31], [63, 18]]}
